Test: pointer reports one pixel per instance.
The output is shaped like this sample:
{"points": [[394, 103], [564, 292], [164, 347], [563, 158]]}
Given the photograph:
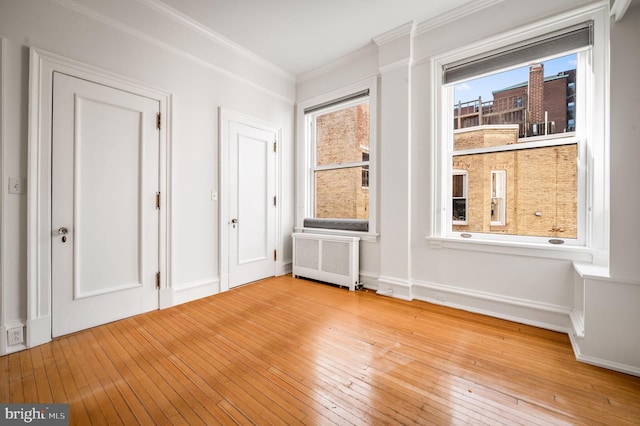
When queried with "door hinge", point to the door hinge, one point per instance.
{"points": [[157, 279], [157, 200], [275, 200], [275, 149], [274, 255], [158, 121]]}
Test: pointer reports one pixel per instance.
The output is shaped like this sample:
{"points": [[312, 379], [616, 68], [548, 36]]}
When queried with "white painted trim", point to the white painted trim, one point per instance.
{"points": [[369, 279], [195, 290], [599, 362], [394, 34], [350, 58], [398, 288], [199, 28], [619, 8], [596, 272], [284, 267], [541, 250], [225, 116], [78, 8], [577, 322], [41, 68], [402, 63], [543, 315], [454, 14], [3, 331]]}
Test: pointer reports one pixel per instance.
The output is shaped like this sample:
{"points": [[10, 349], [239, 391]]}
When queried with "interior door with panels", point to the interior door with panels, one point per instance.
{"points": [[104, 217]]}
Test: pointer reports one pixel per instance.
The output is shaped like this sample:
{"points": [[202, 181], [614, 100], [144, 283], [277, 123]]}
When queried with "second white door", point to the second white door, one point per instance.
{"points": [[252, 203]]}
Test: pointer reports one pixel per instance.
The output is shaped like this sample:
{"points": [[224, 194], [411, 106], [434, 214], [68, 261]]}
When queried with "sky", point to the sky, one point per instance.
{"points": [[472, 89]]}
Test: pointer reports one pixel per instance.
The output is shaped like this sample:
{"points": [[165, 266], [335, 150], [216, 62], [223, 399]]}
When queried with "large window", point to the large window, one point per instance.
{"points": [[516, 133], [339, 136], [339, 155]]}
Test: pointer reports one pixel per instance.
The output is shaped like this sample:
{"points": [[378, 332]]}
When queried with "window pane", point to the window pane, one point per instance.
{"points": [[340, 194], [458, 186], [342, 136], [539, 99], [460, 210], [539, 197]]}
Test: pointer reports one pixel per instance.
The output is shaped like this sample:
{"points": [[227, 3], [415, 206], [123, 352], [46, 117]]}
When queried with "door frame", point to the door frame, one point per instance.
{"points": [[225, 117], [42, 65]]}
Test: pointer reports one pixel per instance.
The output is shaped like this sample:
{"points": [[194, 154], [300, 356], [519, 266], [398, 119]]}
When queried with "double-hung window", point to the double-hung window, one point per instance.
{"points": [[514, 126], [337, 162]]}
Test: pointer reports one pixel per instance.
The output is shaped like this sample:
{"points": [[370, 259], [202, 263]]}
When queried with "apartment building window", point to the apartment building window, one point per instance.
{"points": [[498, 197], [365, 170], [517, 117], [459, 197], [337, 167]]}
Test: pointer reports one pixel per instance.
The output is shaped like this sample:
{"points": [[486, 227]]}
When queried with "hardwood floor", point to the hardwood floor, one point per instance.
{"points": [[288, 351]]}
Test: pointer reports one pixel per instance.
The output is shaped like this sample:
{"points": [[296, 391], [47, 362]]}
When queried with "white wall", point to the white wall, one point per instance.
{"points": [[158, 50], [524, 285]]}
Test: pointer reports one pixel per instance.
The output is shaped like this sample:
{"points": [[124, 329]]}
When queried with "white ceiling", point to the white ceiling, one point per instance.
{"points": [[301, 35]]}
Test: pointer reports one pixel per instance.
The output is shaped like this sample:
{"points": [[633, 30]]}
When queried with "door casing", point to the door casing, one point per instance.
{"points": [[42, 65]]}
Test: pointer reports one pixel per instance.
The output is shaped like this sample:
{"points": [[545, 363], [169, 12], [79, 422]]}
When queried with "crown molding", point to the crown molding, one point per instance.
{"points": [[368, 50], [201, 29], [90, 13], [619, 8], [454, 14], [394, 34]]}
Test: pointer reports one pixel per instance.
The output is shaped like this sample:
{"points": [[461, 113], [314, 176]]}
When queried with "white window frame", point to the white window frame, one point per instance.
{"points": [[465, 195], [305, 158], [498, 191], [593, 216]]}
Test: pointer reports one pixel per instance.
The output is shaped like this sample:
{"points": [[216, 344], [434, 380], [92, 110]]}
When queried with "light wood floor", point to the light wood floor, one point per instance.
{"points": [[287, 351]]}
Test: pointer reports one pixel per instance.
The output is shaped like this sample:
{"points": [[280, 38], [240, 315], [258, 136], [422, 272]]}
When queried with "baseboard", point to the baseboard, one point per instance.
{"points": [[38, 331], [369, 280], [195, 290], [547, 316], [599, 362], [284, 268], [394, 287]]}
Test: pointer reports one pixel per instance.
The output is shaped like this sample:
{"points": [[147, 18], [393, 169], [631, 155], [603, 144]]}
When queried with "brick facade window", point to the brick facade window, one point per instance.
{"points": [[339, 170], [518, 126], [459, 197]]}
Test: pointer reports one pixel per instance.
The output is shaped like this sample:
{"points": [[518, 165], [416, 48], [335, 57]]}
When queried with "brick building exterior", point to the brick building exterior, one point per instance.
{"points": [[525, 104], [342, 137], [540, 185]]}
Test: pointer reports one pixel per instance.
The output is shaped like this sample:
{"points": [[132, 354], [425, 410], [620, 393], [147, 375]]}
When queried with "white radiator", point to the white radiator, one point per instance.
{"points": [[329, 258]]}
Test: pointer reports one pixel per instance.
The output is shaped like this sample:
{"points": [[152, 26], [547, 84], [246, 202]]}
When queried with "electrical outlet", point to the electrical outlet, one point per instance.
{"points": [[16, 186], [15, 336]]}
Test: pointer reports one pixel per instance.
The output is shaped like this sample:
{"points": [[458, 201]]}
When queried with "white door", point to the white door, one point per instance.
{"points": [[104, 220], [252, 204]]}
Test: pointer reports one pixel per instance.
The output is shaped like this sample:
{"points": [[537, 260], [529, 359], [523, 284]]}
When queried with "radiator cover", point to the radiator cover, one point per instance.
{"points": [[328, 258]]}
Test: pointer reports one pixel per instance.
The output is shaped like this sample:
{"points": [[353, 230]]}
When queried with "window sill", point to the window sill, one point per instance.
{"points": [[547, 251], [364, 236]]}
